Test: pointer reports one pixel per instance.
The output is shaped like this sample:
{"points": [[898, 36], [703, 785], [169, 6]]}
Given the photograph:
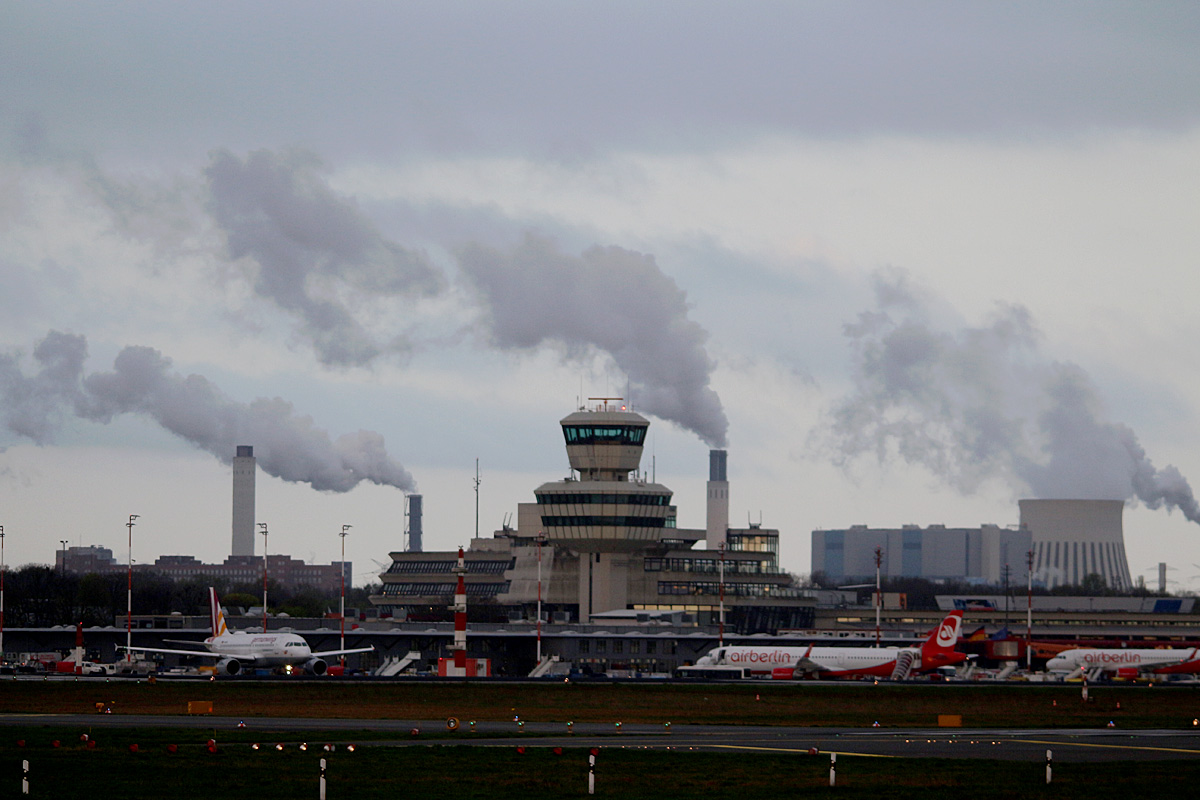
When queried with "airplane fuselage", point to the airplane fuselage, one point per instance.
{"points": [[1122, 660], [263, 649], [831, 661]]}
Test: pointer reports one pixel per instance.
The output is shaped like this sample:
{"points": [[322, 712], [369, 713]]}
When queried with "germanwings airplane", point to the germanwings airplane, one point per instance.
{"points": [[239, 649], [897, 663], [1124, 663]]}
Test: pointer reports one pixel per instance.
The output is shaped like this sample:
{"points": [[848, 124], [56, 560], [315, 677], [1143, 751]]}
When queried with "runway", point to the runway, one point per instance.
{"points": [[1077, 745]]}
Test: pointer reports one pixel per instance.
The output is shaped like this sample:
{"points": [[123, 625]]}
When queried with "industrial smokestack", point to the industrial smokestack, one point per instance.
{"points": [[413, 543], [244, 469], [718, 499]]}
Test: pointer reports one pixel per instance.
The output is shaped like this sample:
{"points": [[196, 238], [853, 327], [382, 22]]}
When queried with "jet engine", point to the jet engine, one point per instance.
{"points": [[229, 666], [314, 666]]}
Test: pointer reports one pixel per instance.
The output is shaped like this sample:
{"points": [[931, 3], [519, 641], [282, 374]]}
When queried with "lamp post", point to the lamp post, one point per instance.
{"points": [[263, 525], [342, 646], [129, 594], [878, 591], [721, 590], [63, 542], [1029, 613], [1, 593], [541, 539]]}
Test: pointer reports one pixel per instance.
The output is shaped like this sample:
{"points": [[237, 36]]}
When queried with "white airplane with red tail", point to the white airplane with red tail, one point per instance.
{"points": [[1125, 663], [238, 650], [897, 663]]}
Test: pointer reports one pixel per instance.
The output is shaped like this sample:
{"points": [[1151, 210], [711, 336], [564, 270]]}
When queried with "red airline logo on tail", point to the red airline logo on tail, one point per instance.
{"points": [[947, 635]]}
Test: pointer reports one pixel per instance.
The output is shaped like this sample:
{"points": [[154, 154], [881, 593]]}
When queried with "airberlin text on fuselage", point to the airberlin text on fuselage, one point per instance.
{"points": [[1112, 658], [760, 657]]}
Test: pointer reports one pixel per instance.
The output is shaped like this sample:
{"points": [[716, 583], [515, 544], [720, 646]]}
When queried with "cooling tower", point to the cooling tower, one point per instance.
{"points": [[1076, 538]]}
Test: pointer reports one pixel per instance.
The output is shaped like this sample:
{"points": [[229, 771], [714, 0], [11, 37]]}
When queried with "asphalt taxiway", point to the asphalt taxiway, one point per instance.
{"points": [[1074, 745]]}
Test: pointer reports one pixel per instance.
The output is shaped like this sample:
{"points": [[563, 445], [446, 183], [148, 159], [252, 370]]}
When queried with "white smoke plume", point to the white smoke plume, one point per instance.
{"points": [[981, 403], [316, 253], [287, 444], [33, 406], [607, 299]]}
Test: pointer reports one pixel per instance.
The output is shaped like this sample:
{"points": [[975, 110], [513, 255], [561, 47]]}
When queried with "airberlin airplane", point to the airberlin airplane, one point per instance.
{"points": [[897, 663], [1125, 663]]}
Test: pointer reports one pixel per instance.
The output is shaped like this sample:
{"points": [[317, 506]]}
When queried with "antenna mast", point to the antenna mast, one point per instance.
{"points": [[477, 482]]}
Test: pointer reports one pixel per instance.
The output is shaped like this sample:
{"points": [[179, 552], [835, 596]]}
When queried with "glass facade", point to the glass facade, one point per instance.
{"points": [[753, 542], [605, 434]]}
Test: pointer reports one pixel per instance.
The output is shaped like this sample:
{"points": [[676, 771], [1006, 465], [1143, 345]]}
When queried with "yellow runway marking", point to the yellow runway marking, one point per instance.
{"points": [[799, 750], [1107, 746]]}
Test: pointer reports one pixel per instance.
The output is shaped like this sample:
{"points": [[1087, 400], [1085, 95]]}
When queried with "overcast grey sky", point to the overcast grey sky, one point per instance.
{"points": [[908, 261]]}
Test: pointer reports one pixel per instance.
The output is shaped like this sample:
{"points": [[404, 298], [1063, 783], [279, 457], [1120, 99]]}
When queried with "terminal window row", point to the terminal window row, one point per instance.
{"points": [[443, 589], [579, 498], [447, 566], [597, 521], [710, 565], [619, 646], [731, 589]]}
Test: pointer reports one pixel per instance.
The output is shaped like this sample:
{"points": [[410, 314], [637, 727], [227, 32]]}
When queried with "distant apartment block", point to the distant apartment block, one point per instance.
{"points": [[282, 569]]}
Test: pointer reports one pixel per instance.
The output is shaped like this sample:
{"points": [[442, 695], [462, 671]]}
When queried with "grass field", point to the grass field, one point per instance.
{"points": [[849, 705], [500, 773], [441, 770]]}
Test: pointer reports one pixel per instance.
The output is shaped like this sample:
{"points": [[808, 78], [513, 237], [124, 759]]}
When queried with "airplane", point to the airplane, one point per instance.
{"points": [[1123, 662], [897, 663], [237, 650]]}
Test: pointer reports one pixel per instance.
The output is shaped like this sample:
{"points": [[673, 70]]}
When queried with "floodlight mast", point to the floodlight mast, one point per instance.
{"points": [[263, 525], [129, 594], [342, 646]]}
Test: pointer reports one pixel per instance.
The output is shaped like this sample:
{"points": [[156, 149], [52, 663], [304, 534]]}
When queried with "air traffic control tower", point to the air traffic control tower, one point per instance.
{"points": [[606, 510]]}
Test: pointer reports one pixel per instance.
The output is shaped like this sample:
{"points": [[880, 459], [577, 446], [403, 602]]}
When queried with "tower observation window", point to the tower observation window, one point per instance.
{"points": [[605, 434], [579, 498]]}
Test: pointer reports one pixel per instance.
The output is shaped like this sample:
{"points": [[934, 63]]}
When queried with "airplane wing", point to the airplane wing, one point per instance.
{"points": [[806, 666], [328, 653], [201, 653]]}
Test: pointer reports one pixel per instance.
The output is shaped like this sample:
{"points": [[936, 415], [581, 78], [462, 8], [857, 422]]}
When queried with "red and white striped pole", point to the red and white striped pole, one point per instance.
{"points": [[460, 616]]}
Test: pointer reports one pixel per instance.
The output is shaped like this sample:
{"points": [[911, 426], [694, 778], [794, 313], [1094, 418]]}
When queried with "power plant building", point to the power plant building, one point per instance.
{"points": [[609, 547], [935, 553], [1069, 539]]}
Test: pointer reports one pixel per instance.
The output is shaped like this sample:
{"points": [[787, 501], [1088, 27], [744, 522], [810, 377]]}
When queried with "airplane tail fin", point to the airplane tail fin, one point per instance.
{"points": [[216, 616], [939, 647]]}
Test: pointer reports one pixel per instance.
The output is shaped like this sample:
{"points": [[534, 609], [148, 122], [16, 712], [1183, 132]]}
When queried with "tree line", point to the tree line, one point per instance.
{"points": [[38, 596]]}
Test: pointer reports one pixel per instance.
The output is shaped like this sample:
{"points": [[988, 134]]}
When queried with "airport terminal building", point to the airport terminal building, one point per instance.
{"points": [[608, 550]]}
